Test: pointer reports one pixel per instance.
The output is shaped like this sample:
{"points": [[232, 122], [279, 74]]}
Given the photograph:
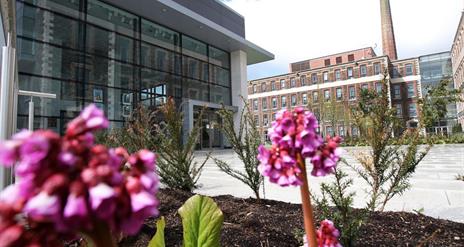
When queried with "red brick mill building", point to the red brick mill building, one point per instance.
{"points": [[331, 85], [337, 79]]}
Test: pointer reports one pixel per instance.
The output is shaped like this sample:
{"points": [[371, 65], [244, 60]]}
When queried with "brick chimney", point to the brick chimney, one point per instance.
{"points": [[388, 34]]}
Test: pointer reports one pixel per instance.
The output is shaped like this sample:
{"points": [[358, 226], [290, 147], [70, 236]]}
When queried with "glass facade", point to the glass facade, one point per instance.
{"points": [[86, 51], [435, 68]]}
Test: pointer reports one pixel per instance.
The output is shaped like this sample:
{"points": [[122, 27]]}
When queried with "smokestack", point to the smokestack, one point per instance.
{"points": [[388, 34]]}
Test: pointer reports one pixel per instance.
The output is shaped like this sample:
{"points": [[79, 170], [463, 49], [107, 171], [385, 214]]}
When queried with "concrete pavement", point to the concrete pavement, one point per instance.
{"points": [[434, 190]]}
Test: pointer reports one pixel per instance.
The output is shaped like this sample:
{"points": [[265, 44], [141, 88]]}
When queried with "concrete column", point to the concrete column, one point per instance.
{"points": [[239, 83]]}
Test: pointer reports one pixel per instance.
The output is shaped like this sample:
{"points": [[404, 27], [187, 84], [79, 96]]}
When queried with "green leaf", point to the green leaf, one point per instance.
{"points": [[202, 222], [158, 239]]}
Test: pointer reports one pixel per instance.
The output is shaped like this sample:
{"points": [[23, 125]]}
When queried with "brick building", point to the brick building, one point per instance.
{"points": [[457, 59], [331, 84], [331, 89]]}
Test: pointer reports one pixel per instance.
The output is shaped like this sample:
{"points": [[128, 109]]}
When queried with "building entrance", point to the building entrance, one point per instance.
{"points": [[210, 133]]}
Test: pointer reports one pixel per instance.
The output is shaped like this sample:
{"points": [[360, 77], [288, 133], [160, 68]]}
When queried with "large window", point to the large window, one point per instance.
{"points": [[376, 68], [349, 72], [264, 103], [339, 93], [411, 92], [327, 95], [412, 110], [352, 92], [363, 70], [88, 51], [274, 102], [397, 91], [337, 75], [294, 100]]}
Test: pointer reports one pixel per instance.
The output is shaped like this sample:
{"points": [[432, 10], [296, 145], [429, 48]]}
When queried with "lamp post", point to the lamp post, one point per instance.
{"points": [[31, 104]]}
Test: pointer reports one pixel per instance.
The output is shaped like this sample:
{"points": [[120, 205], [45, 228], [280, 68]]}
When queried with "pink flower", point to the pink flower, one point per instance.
{"points": [[325, 161], [43, 207], [327, 235], [91, 118], [94, 118], [8, 152], [34, 149], [102, 200], [143, 205], [76, 210], [292, 134], [69, 185]]}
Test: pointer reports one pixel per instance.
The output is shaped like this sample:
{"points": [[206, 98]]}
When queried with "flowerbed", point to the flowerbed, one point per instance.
{"points": [[274, 223]]}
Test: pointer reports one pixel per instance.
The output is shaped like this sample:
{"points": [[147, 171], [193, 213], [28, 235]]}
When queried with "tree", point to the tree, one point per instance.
{"points": [[386, 167], [245, 140], [139, 132], [176, 166], [434, 103]]}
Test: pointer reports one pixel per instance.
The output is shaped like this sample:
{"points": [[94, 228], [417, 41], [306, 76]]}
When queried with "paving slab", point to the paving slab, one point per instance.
{"points": [[434, 188]]}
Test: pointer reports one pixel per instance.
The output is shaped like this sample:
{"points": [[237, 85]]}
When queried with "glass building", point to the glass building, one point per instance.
{"points": [[120, 56], [435, 68]]}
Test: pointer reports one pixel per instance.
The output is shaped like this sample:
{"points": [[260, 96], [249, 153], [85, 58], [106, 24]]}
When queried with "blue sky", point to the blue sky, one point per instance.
{"points": [[295, 30]]}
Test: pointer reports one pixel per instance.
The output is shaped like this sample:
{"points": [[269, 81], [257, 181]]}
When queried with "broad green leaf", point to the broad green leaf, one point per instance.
{"points": [[158, 239], [202, 222]]}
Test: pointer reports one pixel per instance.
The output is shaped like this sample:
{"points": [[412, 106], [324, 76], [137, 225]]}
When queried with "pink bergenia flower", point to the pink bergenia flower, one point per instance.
{"points": [[293, 134], [325, 161], [327, 235], [69, 185], [91, 118]]}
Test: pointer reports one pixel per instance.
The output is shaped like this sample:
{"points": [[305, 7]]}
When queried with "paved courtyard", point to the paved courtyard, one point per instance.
{"points": [[435, 191]]}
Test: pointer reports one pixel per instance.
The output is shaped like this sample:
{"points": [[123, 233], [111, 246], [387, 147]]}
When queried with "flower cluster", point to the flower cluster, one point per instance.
{"points": [[327, 235], [69, 185], [294, 134]]}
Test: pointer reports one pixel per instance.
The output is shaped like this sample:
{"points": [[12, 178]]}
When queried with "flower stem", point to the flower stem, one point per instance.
{"points": [[101, 236], [306, 204]]}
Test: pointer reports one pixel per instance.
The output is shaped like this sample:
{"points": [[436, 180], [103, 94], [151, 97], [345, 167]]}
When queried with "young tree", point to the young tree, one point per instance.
{"points": [[386, 167], [344, 216], [138, 133], [176, 166], [434, 103], [245, 140]]}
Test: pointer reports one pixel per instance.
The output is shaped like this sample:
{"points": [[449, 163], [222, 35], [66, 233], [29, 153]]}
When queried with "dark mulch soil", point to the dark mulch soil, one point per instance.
{"points": [[273, 223]]}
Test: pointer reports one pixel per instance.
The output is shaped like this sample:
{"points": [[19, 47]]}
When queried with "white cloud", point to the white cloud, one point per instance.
{"points": [[300, 29]]}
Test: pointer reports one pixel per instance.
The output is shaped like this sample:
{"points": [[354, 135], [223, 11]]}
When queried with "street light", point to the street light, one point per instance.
{"points": [[31, 104]]}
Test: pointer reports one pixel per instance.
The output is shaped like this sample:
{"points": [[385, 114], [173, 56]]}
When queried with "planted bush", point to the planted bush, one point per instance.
{"points": [[386, 167], [344, 216], [138, 132], [176, 166], [245, 141]]}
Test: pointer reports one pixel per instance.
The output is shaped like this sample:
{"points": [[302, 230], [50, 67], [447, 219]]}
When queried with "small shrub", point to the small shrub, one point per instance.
{"points": [[176, 166], [343, 215], [387, 166], [138, 133], [245, 141]]}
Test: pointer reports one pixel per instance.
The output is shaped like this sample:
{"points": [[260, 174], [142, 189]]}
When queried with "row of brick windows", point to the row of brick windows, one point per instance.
{"points": [[336, 75], [314, 78], [293, 100], [266, 120], [351, 92], [407, 70]]}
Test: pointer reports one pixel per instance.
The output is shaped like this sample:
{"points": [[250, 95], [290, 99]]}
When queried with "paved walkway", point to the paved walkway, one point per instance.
{"points": [[435, 191]]}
